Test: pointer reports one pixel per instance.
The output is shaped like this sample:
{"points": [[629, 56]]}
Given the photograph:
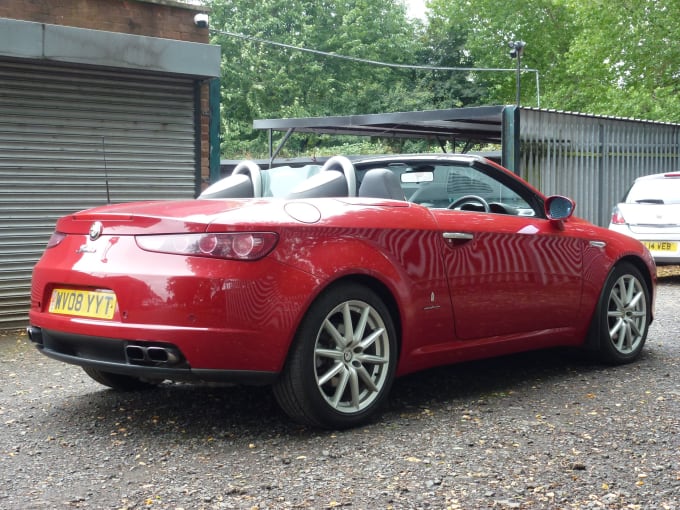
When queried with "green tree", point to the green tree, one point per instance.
{"points": [[261, 80], [614, 57], [626, 59], [444, 46], [618, 58], [547, 26]]}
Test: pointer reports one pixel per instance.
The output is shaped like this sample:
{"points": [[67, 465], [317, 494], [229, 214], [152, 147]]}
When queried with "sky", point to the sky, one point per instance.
{"points": [[415, 8]]}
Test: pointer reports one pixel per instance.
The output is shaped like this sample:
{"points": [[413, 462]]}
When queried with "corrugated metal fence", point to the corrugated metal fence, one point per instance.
{"points": [[63, 131], [593, 159]]}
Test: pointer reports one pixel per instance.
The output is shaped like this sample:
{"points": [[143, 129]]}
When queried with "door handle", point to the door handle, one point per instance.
{"points": [[458, 236]]}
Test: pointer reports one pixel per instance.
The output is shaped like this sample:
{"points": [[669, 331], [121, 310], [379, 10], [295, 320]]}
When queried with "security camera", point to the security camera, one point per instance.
{"points": [[201, 20]]}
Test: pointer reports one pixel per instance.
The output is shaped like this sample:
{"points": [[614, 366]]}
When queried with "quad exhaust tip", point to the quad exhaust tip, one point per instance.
{"points": [[152, 355]]}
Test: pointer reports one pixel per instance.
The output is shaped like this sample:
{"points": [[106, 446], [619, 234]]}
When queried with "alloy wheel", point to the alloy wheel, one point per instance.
{"points": [[627, 314], [352, 356]]}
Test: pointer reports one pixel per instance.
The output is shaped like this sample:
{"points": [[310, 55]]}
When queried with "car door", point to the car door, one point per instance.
{"points": [[510, 271]]}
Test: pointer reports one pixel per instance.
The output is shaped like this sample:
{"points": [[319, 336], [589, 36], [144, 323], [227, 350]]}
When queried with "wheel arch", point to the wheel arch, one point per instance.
{"points": [[399, 276], [650, 278], [592, 341], [385, 294], [292, 387], [376, 285]]}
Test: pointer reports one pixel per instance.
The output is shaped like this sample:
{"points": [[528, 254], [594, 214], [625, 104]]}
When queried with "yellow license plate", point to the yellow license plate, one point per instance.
{"points": [[660, 245], [83, 303]]}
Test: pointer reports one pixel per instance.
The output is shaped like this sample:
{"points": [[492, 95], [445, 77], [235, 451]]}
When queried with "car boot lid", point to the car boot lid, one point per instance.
{"points": [[651, 214], [148, 217]]}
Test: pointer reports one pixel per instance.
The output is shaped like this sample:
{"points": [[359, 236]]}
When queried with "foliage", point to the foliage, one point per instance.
{"points": [[618, 57], [261, 80], [609, 57], [545, 25], [443, 45], [626, 59]]}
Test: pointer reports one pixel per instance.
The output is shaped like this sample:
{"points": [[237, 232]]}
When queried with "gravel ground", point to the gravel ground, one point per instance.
{"points": [[538, 430]]}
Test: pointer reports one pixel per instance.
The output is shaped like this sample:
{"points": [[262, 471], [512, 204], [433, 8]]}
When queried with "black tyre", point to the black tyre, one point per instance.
{"points": [[119, 382], [623, 316], [342, 361]]}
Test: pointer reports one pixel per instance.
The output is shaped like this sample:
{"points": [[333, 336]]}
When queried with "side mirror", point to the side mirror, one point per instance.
{"points": [[559, 208]]}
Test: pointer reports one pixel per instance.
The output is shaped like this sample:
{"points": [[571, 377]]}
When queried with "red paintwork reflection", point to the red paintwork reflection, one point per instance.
{"points": [[522, 278], [517, 283]]}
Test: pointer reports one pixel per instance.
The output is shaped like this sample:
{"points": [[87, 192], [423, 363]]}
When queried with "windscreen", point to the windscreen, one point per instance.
{"points": [[280, 181]]}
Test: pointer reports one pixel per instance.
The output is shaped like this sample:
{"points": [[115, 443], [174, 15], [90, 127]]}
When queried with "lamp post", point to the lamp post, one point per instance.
{"points": [[516, 50]]}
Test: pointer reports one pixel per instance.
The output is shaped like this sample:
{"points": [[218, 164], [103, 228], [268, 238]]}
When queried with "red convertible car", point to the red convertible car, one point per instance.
{"points": [[328, 282]]}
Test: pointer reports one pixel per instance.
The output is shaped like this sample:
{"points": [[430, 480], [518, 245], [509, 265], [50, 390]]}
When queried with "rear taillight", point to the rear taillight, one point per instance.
{"points": [[232, 245], [55, 239], [617, 217]]}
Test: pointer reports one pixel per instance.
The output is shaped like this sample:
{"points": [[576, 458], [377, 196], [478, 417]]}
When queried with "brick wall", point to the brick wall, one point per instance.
{"points": [[156, 18]]}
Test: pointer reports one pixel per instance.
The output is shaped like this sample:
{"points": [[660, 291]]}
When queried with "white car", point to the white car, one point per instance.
{"points": [[650, 212]]}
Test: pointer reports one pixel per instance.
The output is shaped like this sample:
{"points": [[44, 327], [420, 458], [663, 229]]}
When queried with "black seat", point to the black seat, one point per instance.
{"points": [[381, 183]]}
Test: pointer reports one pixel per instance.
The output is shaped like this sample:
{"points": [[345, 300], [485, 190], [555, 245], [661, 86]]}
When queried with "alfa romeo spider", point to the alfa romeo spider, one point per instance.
{"points": [[328, 281]]}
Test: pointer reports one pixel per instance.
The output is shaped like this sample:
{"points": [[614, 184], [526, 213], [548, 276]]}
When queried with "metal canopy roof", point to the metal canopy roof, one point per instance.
{"points": [[473, 124]]}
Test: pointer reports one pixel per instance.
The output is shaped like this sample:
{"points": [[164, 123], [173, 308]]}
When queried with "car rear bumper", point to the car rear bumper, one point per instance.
{"points": [[667, 241], [145, 360]]}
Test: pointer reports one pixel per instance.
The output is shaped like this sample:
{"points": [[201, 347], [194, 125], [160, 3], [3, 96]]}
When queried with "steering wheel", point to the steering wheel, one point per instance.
{"points": [[470, 199]]}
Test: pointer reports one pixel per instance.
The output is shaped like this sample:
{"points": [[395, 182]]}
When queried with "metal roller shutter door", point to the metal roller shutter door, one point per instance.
{"points": [[62, 130]]}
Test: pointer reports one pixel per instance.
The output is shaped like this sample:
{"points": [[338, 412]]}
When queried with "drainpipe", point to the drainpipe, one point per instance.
{"points": [[214, 100], [510, 156]]}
